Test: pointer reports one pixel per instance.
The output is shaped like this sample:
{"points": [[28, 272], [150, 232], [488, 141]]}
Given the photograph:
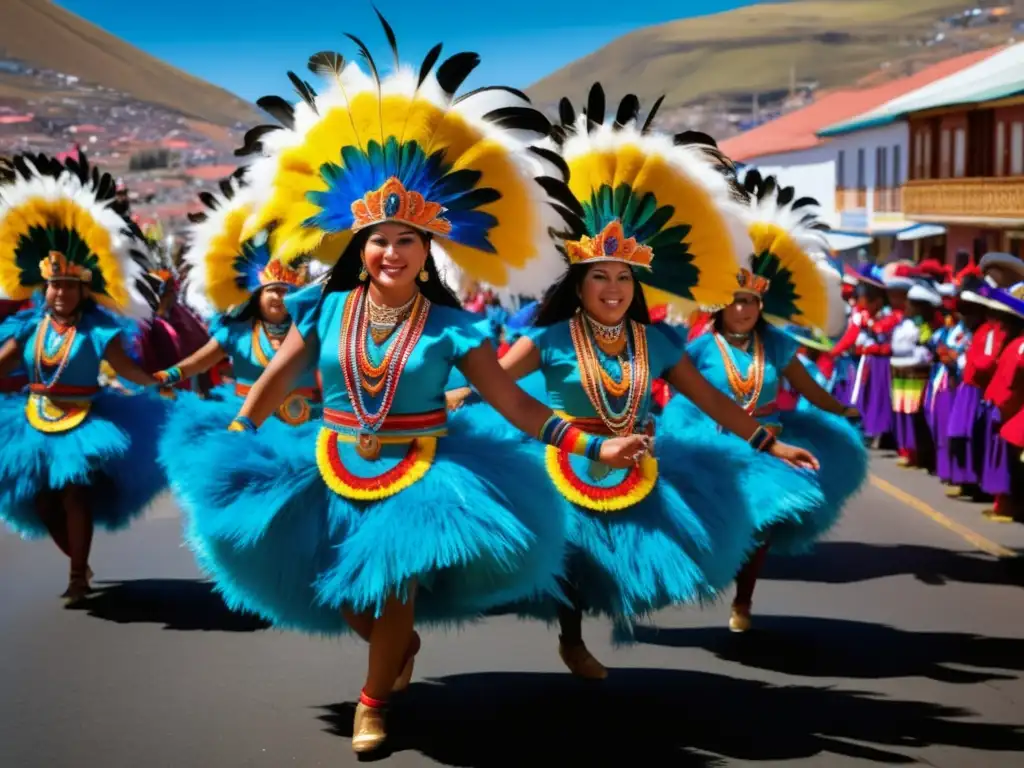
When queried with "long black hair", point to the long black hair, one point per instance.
{"points": [[563, 299], [345, 273]]}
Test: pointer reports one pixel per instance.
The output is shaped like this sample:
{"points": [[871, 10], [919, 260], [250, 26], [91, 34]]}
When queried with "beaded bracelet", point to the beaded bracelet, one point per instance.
{"points": [[565, 437], [242, 424], [762, 440], [168, 377]]}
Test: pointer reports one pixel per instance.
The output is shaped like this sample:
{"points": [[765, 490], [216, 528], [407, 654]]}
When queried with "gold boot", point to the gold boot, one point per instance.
{"points": [[581, 662], [953, 491], [993, 515], [740, 620], [368, 731]]}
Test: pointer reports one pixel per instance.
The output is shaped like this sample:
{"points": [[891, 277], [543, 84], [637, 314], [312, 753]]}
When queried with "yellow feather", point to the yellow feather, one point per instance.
{"points": [[811, 293]]}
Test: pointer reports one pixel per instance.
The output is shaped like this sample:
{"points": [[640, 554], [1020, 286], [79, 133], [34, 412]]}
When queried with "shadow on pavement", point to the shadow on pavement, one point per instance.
{"points": [[847, 562], [185, 605], [664, 717], [840, 648]]}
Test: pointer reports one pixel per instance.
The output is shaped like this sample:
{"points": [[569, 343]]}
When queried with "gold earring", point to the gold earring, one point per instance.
{"points": [[363, 274], [424, 276]]}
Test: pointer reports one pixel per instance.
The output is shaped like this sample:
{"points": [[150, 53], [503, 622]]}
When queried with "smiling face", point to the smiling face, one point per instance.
{"points": [[742, 315], [606, 291], [272, 308], [393, 256], [63, 296]]}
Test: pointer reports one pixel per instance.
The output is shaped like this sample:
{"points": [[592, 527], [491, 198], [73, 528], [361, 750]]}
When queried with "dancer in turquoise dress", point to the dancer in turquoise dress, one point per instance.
{"points": [[650, 218], [240, 289], [73, 456], [381, 514], [788, 280]]}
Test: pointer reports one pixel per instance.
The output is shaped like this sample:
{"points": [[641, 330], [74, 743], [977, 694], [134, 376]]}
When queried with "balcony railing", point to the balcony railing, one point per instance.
{"points": [[987, 198], [851, 199], [888, 200]]}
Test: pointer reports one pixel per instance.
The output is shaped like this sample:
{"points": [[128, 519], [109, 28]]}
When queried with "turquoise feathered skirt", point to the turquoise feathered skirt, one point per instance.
{"points": [[795, 520], [479, 529], [683, 542], [113, 452]]}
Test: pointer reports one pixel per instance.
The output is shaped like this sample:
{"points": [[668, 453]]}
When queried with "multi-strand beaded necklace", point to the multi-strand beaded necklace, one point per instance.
{"points": [[746, 389], [61, 356], [598, 383], [360, 374]]}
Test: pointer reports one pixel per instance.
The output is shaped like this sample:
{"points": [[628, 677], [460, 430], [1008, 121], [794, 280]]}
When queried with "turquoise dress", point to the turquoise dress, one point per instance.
{"points": [[643, 538], [297, 524], [70, 431], [768, 491]]}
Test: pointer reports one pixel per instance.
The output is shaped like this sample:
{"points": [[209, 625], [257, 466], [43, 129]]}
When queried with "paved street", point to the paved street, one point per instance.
{"points": [[898, 642]]}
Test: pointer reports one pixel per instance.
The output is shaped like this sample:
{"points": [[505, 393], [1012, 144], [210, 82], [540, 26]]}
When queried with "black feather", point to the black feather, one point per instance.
{"points": [[227, 188], [390, 33], [304, 91], [473, 199], [752, 181], [209, 201], [576, 225], [514, 91], [694, 137], [455, 69], [786, 195], [251, 140], [768, 188], [428, 63], [629, 109], [279, 109], [520, 118], [566, 113], [197, 218], [558, 190], [650, 115], [326, 64], [595, 105], [367, 56], [554, 158], [803, 202]]}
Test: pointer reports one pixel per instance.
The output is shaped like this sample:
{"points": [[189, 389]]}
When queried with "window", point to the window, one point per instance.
{"points": [[1000, 158], [945, 151], [926, 161], [897, 167], [841, 169], [861, 171], [882, 168], [960, 153], [919, 155], [1017, 149]]}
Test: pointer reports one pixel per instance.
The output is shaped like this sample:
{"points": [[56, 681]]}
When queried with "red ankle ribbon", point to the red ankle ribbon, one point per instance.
{"points": [[371, 702]]}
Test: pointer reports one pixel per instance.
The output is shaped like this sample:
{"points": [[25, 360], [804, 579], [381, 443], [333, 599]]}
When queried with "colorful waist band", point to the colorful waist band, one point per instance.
{"points": [[398, 427], [594, 426], [62, 391], [309, 393], [10, 384]]}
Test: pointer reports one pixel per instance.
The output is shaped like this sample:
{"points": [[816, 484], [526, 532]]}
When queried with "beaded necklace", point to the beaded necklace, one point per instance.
{"points": [[745, 389], [598, 385], [610, 338], [273, 333], [60, 357], [359, 373], [384, 320]]}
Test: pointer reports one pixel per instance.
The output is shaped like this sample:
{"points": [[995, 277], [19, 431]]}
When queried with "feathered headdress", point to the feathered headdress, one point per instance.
{"points": [[226, 268], [788, 266], [403, 148], [57, 223], [666, 205]]}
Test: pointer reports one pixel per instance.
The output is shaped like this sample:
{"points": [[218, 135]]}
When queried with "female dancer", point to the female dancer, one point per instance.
{"points": [[73, 456], [234, 283], [645, 210], [394, 516], [788, 282]]}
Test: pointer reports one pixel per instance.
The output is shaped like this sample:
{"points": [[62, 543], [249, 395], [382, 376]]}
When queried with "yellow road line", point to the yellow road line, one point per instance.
{"points": [[972, 537]]}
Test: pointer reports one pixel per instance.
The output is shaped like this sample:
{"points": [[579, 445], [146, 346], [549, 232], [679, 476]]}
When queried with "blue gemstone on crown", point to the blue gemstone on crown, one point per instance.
{"points": [[392, 204], [611, 246]]}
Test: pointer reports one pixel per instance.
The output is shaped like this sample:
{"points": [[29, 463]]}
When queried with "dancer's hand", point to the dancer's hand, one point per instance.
{"points": [[795, 457], [624, 452], [851, 413], [455, 398]]}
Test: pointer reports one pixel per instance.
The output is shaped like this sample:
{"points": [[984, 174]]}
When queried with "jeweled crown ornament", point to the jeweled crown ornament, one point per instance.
{"points": [[610, 245], [393, 202], [750, 283], [57, 267], [276, 273]]}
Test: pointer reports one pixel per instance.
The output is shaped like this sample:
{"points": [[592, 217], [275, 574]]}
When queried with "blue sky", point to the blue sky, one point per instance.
{"points": [[247, 46]]}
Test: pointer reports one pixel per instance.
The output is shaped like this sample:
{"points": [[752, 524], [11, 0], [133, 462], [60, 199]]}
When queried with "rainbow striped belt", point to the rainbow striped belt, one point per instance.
{"points": [[396, 428], [62, 391]]}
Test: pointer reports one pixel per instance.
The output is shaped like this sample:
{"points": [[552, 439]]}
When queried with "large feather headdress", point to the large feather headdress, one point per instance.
{"points": [[57, 223], [666, 205], [788, 265], [225, 268], [404, 148]]}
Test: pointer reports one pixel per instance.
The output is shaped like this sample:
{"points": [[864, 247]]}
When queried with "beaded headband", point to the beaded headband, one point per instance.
{"points": [[56, 267]]}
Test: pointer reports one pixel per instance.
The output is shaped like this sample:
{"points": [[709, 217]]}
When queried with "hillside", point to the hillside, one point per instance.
{"points": [[47, 36], [755, 50]]}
